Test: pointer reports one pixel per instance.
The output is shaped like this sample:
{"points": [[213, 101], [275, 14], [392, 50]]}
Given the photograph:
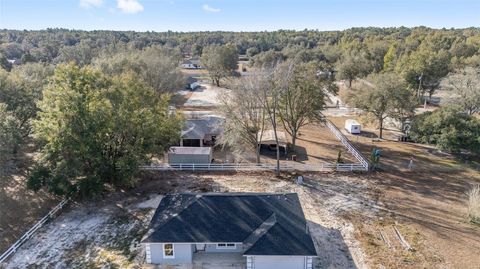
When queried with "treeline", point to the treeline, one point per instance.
{"points": [[61, 45]]}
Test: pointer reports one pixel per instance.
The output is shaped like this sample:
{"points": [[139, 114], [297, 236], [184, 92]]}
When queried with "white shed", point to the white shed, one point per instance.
{"points": [[191, 155], [352, 126]]}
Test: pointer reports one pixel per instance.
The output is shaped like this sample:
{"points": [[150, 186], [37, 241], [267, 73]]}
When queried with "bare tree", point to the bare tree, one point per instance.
{"points": [[245, 115], [465, 86], [277, 81], [303, 98]]}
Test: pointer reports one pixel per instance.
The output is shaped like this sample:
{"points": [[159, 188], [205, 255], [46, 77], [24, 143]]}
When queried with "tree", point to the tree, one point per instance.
{"points": [[245, 115], [465, 87], [448, 128], [9, 136], [4, 63], [383, 95], [220, 61], [21, 89], [351, 66], [390, 57], [303, 98], [276, 83], [423, 69], [156, 66], [97, 130], [267, 59], [82, 53]]}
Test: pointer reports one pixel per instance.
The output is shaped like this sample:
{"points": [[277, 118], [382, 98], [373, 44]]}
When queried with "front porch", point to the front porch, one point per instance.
{"points": [[219, 260]]}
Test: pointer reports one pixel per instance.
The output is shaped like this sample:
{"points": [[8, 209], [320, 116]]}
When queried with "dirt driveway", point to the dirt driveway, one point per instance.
{"points": [[205, 96]]}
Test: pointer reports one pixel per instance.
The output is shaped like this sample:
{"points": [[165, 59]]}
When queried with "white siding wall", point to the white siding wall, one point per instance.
{"points": [[213, 248], [279, 262], [189, 158], [183, 254]]}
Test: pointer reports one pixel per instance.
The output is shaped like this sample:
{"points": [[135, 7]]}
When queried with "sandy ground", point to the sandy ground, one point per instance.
{"points": [[204, 96], [106, 233], [428, 204]]}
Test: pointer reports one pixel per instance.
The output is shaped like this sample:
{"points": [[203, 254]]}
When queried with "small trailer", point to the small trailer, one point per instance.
{"points": [[352, 126]]}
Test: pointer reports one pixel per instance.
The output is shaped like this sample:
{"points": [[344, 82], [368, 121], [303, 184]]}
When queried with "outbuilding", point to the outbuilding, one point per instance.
{"points": [[200, 132], [268, 139], [190, 155], [352, 126]]}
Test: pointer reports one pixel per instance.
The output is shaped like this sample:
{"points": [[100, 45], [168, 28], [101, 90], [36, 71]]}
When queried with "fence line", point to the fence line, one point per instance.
{"points": [[321, 167], [347, 144], [32, 230]]}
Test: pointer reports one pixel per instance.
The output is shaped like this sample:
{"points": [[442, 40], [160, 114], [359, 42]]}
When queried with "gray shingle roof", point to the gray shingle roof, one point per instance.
{"points": [[267, 224], [198, 128]]}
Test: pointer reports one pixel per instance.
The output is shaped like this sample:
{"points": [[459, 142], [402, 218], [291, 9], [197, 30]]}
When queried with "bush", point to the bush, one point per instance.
{"points": [[449, 129], [474, 204]]}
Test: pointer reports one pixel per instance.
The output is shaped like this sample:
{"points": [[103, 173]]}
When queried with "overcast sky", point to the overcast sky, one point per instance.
{"points": [[235, 15]]}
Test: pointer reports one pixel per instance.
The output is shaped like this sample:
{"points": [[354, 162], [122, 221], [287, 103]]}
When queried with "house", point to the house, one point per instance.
{"points": [[243, 230], [191, 64], [192, 83], [190, 155], [199, 132]]}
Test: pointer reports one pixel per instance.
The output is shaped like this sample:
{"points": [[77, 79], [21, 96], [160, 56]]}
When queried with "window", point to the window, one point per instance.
{"points": [[168, 251], [226, 246]]}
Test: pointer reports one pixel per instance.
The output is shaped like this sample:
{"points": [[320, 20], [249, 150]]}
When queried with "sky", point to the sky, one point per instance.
{"points": [[235, 15]]}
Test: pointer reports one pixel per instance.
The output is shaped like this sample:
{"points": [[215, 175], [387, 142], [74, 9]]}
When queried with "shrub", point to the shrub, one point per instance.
{"points": [[449, 129]]}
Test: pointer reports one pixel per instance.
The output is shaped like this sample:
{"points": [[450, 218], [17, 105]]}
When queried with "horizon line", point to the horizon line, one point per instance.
{"points": [[236, 31]]}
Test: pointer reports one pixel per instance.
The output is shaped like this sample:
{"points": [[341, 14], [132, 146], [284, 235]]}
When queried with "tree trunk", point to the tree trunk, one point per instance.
{"points": [[294, 142], [381, 127], [258, 154], [277, 170], [350, 83]]}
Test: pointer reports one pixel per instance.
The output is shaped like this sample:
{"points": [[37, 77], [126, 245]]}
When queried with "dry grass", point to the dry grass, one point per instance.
{"points": [[474, 204]]}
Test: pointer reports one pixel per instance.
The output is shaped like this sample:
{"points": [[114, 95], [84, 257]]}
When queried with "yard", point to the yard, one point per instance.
{"points": [[352, 216], [429, 203], [107, 231], [392, 218]]}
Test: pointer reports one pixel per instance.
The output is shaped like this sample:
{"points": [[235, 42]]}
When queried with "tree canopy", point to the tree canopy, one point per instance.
{"points": [[97, 130], [220, 61], [303, 98], [448, 128], [384, 95], [465, 89]]}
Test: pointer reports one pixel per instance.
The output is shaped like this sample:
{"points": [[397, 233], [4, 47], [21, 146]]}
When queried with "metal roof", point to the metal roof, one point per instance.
{"points": [[190, 150]]}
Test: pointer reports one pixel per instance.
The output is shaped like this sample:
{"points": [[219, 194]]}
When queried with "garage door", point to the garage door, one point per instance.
{"points": [[191, 142], [279, 262]]}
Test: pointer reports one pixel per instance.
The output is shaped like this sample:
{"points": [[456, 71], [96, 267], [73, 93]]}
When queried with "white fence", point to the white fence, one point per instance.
{"points": [[348, 145], [321, 167], [32, 230]]}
